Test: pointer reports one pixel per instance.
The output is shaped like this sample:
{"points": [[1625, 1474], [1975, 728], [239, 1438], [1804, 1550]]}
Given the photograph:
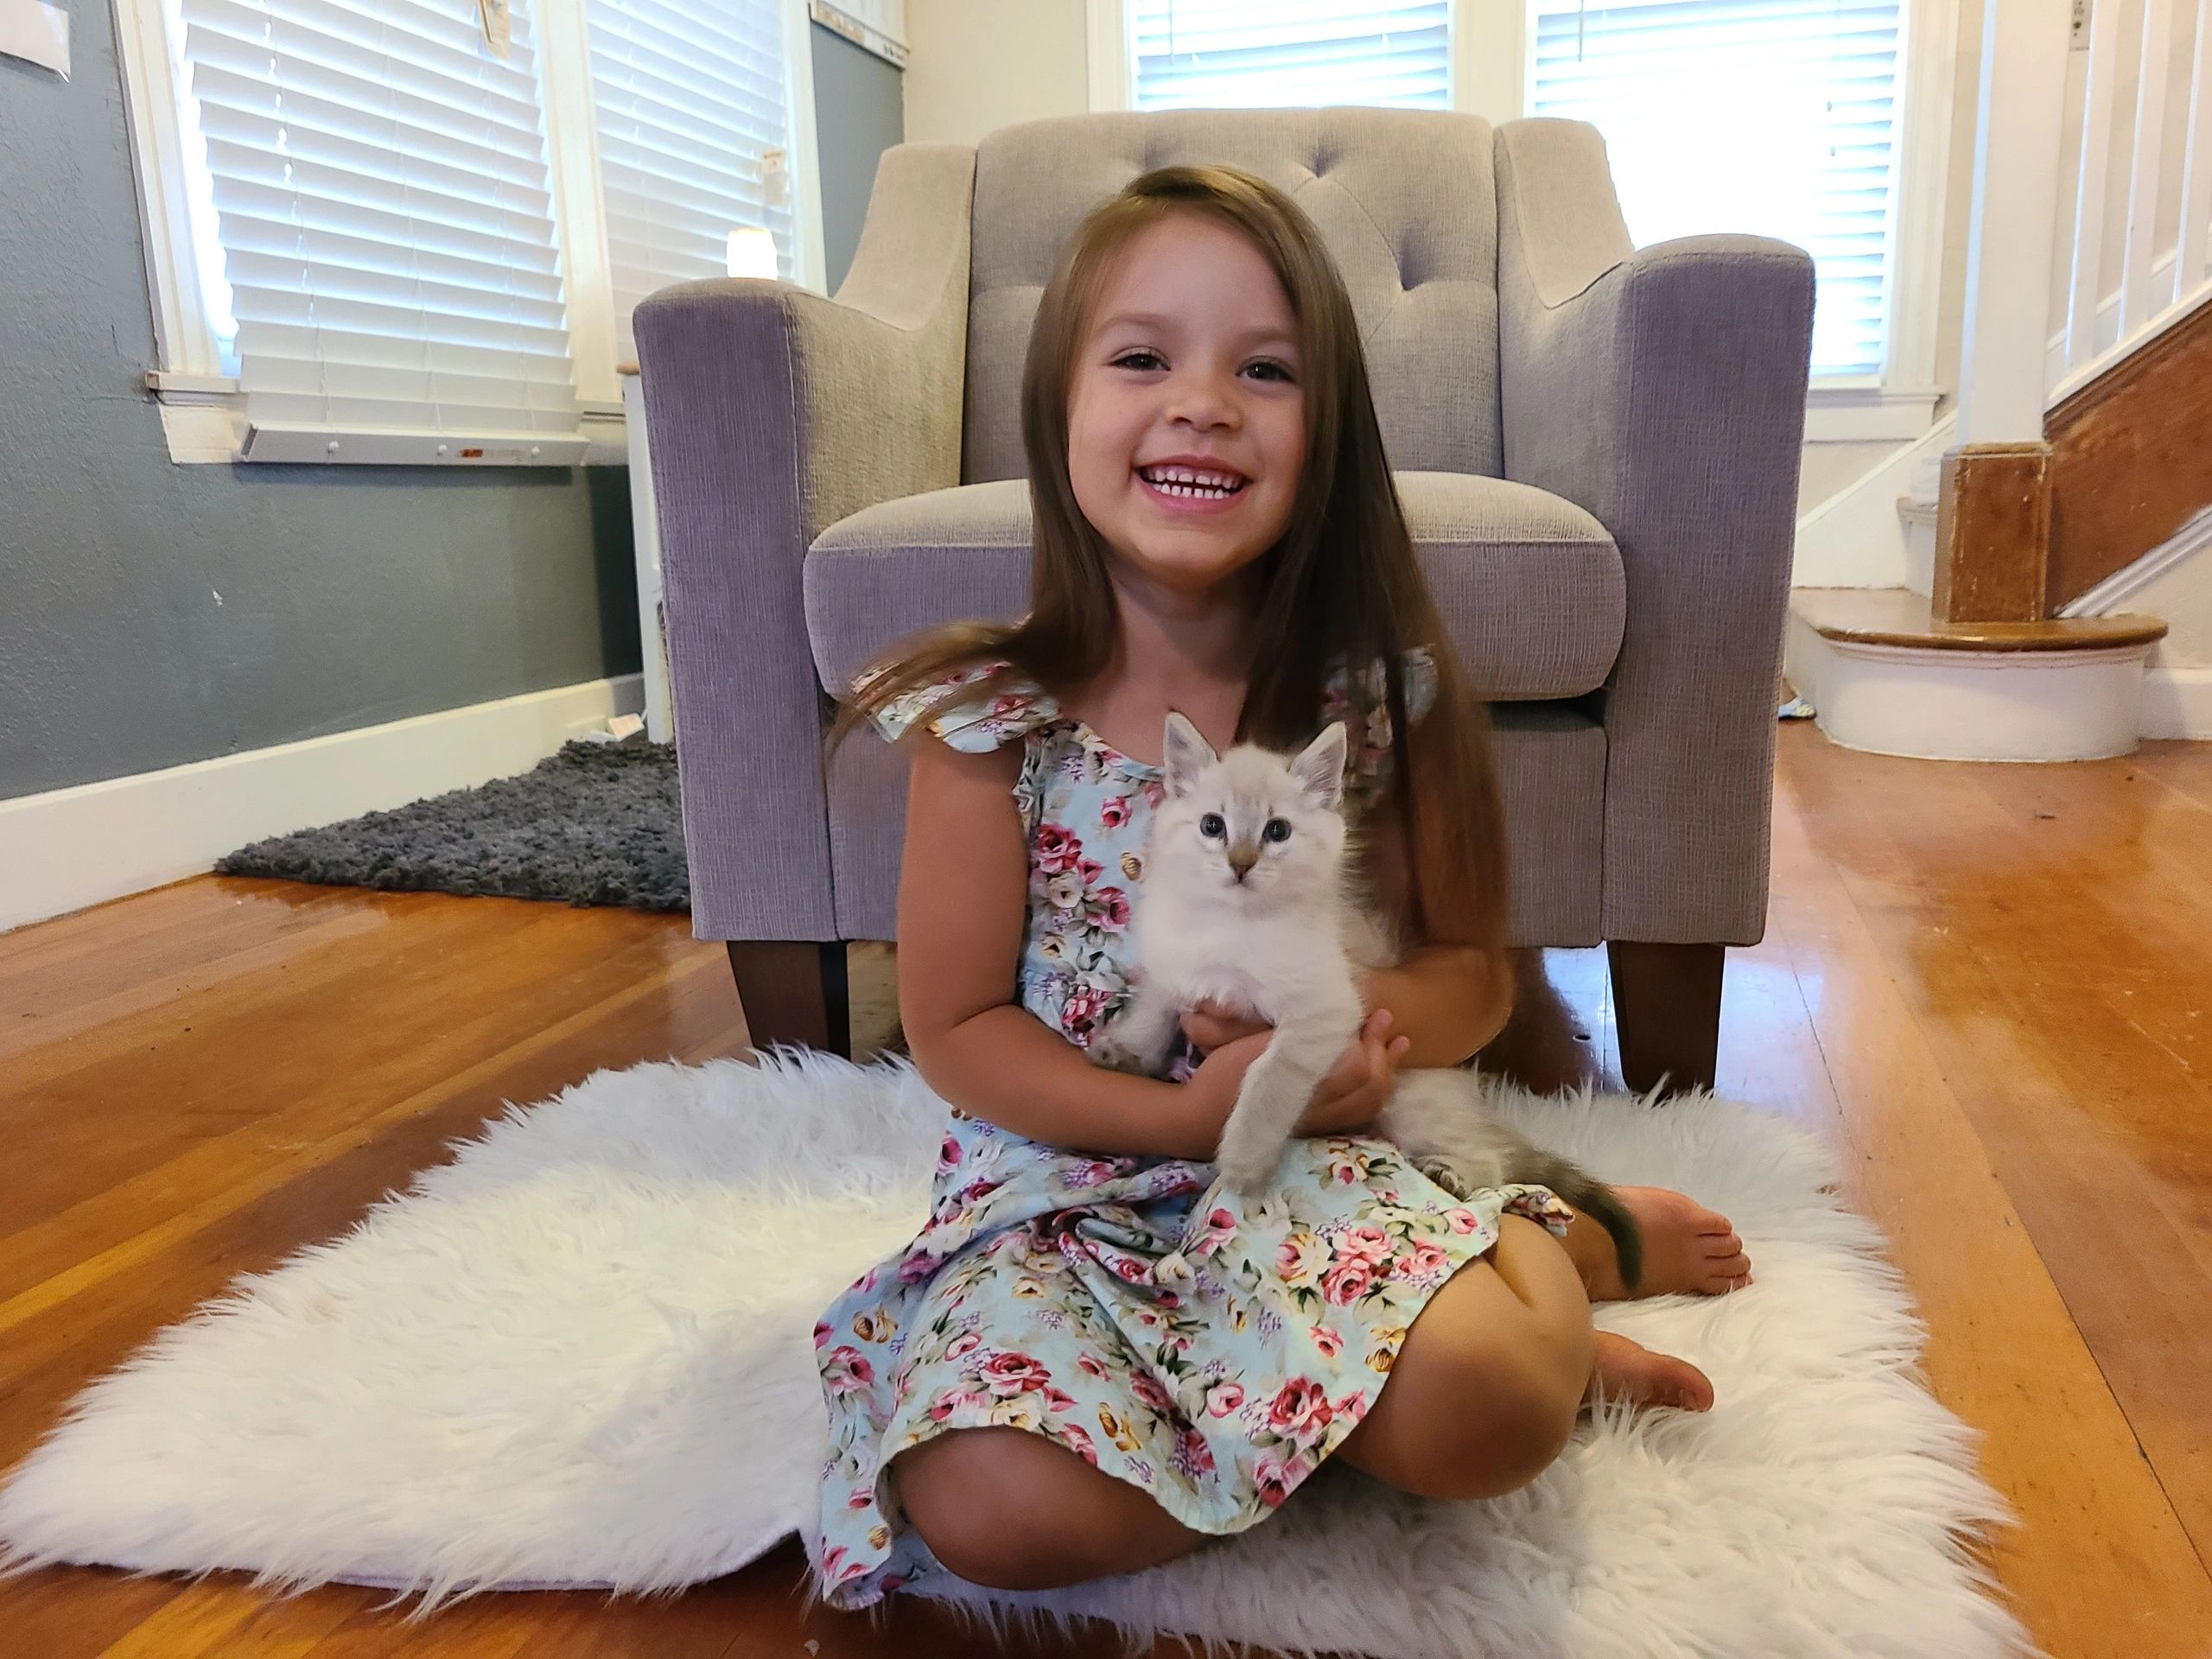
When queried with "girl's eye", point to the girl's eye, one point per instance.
{"points": [[1276, 830], [1137, 360], [1211, 827], [1278, 371]]}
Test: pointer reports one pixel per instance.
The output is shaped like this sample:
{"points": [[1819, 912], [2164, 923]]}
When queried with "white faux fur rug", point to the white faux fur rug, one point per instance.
{"points": [[581, 1353]]}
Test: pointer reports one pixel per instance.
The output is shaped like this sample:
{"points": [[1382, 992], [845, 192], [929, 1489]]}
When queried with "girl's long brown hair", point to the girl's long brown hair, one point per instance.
{"points": [[1342, 586]]}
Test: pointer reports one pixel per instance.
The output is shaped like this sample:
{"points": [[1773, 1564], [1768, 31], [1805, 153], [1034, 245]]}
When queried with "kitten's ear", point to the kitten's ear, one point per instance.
{"points": [[1320, 766], [1187, 753]]}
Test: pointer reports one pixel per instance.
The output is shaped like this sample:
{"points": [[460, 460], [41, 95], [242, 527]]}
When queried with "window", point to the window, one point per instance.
{"points": [[415, 230], [1777, 116], [1250, 54], [692, 124], [384, 226]]}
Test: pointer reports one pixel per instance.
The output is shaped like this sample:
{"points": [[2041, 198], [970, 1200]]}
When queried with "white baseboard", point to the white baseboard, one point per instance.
{"points": [[70, 847], [2178, 701]]}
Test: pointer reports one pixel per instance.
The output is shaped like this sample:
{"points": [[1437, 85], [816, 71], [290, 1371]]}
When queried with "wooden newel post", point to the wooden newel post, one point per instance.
{"points": [[1993, 520]]}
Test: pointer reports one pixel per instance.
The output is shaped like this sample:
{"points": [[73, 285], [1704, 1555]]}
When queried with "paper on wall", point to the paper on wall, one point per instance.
{"points": [[33, 30]]}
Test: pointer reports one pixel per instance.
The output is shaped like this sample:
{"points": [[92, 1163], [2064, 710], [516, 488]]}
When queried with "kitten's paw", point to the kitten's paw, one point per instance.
{"points": [[1111, 1052], [1249, 1158]]}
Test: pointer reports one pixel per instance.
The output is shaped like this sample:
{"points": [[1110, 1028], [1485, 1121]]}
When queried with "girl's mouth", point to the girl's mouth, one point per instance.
{"points": [[1190, 489]]}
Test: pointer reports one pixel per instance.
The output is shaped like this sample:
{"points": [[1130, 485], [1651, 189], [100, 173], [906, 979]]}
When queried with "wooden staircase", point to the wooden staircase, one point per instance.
{"points": [[2045, 490]]}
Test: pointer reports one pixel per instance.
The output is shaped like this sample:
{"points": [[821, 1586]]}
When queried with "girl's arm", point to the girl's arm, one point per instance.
{"points": [[962, 893], [1448, 997]]}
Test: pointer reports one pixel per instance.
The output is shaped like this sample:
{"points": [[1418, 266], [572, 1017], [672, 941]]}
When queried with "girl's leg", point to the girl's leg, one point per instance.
{"points": [[1006, 1508], [1487, 1385]]}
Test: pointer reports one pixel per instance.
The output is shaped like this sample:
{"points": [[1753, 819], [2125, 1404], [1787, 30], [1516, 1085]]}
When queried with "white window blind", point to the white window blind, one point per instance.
{"points": [[688, 97], [1772, 116], [1252, 53], [379, 182]]}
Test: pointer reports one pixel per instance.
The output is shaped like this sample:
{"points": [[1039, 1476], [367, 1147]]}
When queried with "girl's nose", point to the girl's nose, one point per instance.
{"points": [[1204, 400]]}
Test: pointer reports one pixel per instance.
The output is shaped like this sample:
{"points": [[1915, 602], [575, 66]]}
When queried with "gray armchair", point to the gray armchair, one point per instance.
{"points": [[1597, 447]]}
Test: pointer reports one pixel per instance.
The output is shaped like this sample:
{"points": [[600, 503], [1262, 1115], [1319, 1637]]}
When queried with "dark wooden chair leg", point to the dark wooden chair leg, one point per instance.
{"points": [[1667, 1004], [793, 991]]}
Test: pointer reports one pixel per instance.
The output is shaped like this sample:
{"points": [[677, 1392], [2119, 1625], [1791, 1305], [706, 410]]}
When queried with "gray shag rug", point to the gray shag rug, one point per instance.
{"points": [[597, 824]]}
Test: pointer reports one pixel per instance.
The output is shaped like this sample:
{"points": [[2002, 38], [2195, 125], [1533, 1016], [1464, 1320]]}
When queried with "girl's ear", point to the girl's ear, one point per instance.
{"points": [[1187, 754], [1319, 767]]}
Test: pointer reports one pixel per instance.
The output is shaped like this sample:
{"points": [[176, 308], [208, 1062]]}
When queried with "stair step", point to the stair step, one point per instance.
{"points": [[1891, 616]]}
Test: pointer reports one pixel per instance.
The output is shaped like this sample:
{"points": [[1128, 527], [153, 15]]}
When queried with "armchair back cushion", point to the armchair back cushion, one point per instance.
{"points": [[1406, 200]]}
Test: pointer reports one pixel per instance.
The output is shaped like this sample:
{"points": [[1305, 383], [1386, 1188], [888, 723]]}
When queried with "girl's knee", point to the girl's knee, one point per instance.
{"points": [[991, 1505]]}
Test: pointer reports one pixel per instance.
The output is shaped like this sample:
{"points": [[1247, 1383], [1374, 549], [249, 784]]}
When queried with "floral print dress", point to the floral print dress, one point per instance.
{"points": [[1209, 1351]]}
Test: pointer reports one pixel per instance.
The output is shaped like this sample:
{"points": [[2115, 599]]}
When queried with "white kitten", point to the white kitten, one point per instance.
{"points": [[1250, 903]]}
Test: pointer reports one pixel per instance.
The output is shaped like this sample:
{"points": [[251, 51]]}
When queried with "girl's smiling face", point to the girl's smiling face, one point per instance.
{"points": [[1186, 416]]}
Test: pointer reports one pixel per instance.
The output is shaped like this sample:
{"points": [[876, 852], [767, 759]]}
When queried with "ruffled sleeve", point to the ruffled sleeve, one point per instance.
{"points": [[1371, 745], [963, 714]]}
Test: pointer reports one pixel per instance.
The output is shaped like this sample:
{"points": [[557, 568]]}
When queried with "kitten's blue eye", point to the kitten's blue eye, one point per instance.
{"points": [[1211, 827], [1276, 830]]}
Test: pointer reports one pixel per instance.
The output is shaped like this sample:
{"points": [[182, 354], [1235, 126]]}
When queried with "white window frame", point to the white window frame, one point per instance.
{"points": [[203, 410], [1493, 69]]}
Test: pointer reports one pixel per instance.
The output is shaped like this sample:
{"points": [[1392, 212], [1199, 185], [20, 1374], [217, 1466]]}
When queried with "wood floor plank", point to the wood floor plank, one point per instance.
{"points": [[2003, 1351]]}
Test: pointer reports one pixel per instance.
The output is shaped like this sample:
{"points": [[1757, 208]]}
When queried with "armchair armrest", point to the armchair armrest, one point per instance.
{"points": [[773, 413], [1663, 389]]}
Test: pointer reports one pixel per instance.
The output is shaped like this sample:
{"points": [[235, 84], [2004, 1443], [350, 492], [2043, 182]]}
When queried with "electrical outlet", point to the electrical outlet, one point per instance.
{"points": [[775, 177]]}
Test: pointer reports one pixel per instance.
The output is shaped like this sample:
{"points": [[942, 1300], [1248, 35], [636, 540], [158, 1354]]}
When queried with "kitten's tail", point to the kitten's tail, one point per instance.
{"points": [[1591, 1197]]}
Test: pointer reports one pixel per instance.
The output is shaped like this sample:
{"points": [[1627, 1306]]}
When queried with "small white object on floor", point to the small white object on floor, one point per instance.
{"points": [[581, 1353]]}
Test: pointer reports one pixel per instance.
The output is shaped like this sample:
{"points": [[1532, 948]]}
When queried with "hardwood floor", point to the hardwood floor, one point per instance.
{"points": [[1988, 985]]}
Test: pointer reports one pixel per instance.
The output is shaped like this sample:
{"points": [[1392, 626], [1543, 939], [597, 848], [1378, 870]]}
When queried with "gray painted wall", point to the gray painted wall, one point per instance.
{"points": [[152, 614], [859, 112]]}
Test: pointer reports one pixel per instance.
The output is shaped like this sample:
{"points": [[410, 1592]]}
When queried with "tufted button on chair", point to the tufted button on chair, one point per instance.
{"points": [[1597, 447]]}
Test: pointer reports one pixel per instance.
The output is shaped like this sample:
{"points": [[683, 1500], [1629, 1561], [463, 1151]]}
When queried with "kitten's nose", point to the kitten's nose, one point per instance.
{"points": [[1241, 859]]}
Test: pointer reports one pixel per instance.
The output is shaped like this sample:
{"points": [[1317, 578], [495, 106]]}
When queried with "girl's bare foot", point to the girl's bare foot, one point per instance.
{"points": [[1629, 1371], [1687, 1248]]}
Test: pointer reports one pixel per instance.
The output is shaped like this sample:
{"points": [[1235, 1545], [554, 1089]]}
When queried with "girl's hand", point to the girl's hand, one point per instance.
{"points": [[1357, 1087], [1210, 1025], [1355, 1090]]}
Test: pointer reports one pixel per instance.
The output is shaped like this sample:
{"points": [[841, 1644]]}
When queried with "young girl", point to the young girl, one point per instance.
{"points": [[1016, 1397]]}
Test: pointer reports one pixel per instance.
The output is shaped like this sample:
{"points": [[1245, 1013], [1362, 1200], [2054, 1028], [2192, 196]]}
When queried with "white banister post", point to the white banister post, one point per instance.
{"points": [[2014, 220]]}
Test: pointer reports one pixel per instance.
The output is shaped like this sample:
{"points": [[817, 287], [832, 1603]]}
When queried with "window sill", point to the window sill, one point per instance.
{"points": [[1865, 411], [203, 419]]}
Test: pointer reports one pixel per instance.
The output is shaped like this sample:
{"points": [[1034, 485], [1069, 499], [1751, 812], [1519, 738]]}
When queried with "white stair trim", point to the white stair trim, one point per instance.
{"points": [[70, 847], [1854, 538], [2113, 594]]}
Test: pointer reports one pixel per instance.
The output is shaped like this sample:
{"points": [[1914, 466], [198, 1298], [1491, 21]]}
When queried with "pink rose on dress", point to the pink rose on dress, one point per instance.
{"points": [[1422, 1262], [1368, 1244], [1009, 1374], [1352, 1408], [1147, 1388], [1463, 1222], [1277, 1477], [1091, 1364], [1113, 811], [1078, 1440], [948, 1156], [1346, 1283], [1055, 848], [821, 1333], [1081, 1012], [1223, 1398], [846, 1371], [962, 1345], [1327, 1343], [1110, 909], [955, 1400], [860, 1499], [1220, 1227], [1300, 1411]]}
